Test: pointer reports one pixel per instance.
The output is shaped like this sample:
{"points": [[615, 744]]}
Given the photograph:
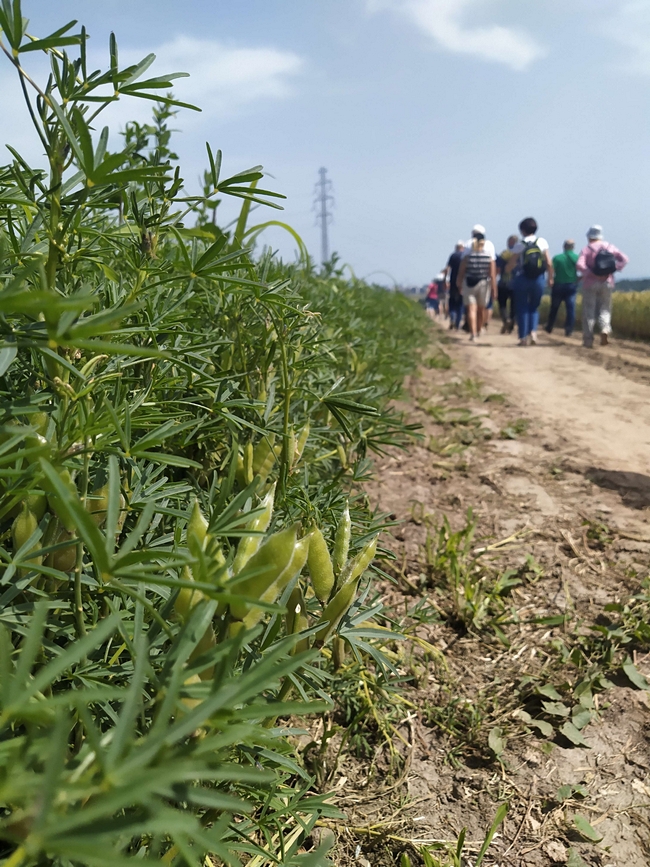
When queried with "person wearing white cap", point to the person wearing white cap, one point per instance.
{"points": [[596, 266], [477, 231], [478, 278]]}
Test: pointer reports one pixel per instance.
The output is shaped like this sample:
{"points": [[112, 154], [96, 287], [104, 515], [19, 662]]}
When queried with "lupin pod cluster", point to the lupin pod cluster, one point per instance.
{"points": [[258, 460], [262, 569], [42, 507]]}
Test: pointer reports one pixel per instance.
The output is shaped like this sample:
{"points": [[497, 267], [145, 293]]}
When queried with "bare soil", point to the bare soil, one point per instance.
{"points": [[549, 447]]}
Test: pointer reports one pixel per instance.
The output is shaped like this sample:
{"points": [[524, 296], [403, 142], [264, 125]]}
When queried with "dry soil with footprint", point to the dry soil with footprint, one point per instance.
{"points": [[522, 548]]}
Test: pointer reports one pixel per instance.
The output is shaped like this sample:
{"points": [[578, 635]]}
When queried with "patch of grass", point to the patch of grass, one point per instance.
{"points": [[517, 428], [473, 596], [468, 388], [438, 361]]}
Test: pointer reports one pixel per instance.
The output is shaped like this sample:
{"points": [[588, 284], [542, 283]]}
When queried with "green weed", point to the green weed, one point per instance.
{"points": [[438, 361], [518, 428]]}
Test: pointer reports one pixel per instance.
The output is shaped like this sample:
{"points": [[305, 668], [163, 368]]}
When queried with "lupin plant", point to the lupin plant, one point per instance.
{"points": [[182, 425]]}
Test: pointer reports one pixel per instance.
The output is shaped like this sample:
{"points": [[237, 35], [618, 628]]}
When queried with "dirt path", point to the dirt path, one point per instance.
{"points": [[600, 413], [527, 613]]}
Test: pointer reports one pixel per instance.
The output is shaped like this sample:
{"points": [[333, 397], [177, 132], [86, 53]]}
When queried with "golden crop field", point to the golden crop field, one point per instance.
{"points": [[630, 314]]}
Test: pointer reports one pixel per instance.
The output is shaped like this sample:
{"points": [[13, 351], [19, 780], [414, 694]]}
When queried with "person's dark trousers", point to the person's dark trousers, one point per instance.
{"points": [[455, 310], [505, 296], [528, 295], [563, 292]]}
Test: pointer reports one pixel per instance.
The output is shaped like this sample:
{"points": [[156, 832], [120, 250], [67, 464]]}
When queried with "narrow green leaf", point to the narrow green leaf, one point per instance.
{"points": [[501, 813], [76, 515], [8, 353]]}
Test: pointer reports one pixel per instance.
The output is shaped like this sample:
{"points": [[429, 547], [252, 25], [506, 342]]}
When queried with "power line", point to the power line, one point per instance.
{"points": [[323, 198]]}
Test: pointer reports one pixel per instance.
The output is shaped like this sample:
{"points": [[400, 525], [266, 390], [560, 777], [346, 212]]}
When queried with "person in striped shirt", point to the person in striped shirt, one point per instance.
{"points": [[478, 278]]}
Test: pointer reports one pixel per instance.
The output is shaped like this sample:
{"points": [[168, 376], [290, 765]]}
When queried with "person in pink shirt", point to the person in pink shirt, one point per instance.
{"points": [[596, 266]]}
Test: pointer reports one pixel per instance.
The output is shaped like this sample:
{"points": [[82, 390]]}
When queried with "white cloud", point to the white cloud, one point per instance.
{"points": [[630, 26], [449, 23], [224, 80]]}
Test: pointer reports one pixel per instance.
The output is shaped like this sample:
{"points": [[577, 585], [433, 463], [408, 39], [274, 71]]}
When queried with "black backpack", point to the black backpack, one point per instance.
{"points": [[604, 263], [533, 261]]}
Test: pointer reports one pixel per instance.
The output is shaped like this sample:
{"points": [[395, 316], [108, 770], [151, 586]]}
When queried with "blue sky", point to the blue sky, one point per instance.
{"points": [[430, 115]]}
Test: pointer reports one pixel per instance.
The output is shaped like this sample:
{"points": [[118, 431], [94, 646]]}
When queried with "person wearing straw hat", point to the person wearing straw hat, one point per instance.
{"points": [[596, 266]]}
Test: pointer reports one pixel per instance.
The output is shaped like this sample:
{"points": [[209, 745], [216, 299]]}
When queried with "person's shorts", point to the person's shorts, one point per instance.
{"points": [[478, 294], [432, 304]]}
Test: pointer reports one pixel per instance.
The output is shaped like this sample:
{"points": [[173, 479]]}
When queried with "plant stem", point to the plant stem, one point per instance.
{"points": [[284, 460]]}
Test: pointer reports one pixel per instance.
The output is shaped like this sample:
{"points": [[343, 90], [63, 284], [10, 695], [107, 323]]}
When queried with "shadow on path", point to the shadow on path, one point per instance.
{"points": [[634, 488]]}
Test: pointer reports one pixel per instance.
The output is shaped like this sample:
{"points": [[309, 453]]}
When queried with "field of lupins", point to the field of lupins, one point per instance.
{"points": [[630, 314], [186, 556]]}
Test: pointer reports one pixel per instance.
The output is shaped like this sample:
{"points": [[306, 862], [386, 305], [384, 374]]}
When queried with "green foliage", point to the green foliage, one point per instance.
{"points": [[176, 414], [478, 598], [454, 857]]}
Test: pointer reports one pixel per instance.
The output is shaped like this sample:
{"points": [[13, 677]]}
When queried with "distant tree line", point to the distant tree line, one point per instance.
{"points": [[633, 285]]}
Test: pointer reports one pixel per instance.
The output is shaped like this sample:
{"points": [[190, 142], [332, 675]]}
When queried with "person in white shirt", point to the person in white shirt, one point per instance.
{"points": [[531, 266], [477, 278]]}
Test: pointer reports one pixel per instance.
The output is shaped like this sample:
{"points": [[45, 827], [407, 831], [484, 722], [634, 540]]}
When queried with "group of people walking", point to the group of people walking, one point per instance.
{"points": [[475, 277]]}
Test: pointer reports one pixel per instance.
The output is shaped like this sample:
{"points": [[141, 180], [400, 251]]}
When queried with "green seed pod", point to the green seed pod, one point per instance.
{"points": [[266, 566], [207, 642], [335, 610], [197, 530], [97, 504], [343, 458], [293, 568], [248, 545], [342, 541], [357, 566], [65, 559], [37, 503], [23, 527], [235, 628], [338, 652], [37, 447], [21, 531], [217, 555], [295, 608], [40, 421], [297, 619], [54, 501], [320, 566], [303, 436], [249, 467], [264, 457], [239, 473], [187, 598], [191, 703]]}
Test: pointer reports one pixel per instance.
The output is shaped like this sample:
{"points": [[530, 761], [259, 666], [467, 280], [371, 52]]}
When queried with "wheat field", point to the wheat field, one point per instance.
{"points": [[630, 314]]}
